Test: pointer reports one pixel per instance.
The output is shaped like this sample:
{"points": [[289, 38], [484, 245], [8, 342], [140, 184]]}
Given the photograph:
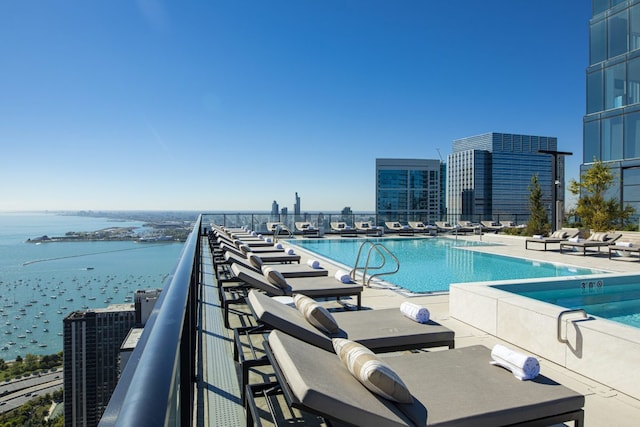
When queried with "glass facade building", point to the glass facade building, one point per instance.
{"points": [[489, 175], [612, 120], [408, 190]]}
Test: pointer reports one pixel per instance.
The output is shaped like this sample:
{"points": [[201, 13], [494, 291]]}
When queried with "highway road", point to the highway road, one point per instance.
{"points": [[18, 392]]}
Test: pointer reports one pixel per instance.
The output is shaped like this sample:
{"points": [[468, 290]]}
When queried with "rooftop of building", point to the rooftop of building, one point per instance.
{"points": [[219, 396]]}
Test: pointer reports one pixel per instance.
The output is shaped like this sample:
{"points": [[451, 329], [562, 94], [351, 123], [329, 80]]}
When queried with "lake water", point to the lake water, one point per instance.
{"points": [[42, 283]]}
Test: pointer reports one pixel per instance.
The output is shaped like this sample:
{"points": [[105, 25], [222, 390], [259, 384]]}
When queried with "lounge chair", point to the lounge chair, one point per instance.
{"points": [[466, 227], [287, 270], [314, 287], [277, 228], [421, 227], [596, 240], [396, 227], [557, 236], [625, 247], [343, 229], [444, 226], [267, 257], [368, 229], [379, 330], [491, 226], [307, 229], [449, 388]]}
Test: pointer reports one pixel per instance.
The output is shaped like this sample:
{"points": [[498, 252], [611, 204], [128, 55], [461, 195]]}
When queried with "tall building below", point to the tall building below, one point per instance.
{"points": [[92, 341], [408, 190], [611, 131], [489, 175], [275, 209], [144, 301]]}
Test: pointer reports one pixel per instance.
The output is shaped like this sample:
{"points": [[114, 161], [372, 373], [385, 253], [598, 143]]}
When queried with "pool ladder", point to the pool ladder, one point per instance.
{"points": [[384, 253], [562, 339]]}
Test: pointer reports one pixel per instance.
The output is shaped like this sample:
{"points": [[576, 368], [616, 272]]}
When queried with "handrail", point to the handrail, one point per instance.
{"points": [[381, 250], [156, 387], [561, 315]]}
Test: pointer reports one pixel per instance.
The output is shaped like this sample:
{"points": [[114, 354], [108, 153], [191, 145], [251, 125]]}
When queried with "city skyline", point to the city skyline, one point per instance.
{"points": [[111, 106]]}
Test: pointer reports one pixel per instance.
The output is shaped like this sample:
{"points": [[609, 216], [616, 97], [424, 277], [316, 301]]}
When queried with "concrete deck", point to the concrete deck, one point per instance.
{"points": [[219, 402]]}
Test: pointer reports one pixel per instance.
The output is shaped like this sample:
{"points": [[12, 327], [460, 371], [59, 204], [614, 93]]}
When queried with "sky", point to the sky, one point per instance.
{"points": [[229, 105]]}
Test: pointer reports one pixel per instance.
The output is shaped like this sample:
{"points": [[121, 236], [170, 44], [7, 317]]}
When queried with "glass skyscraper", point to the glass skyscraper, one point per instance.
{"points": [[612, 120], [408, 190], [489, 175]]}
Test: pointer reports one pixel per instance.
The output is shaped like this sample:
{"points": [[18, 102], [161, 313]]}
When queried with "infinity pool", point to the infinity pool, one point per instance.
{"points": [[430, 265]]}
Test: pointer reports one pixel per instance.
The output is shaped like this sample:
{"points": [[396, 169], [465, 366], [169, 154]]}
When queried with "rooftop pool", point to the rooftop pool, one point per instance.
{"points": [[532, 313], [431, 264], [615, 298]]}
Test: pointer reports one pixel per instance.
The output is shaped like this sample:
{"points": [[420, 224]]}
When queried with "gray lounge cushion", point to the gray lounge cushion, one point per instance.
{"points": [[378, 330], [457, 387]]}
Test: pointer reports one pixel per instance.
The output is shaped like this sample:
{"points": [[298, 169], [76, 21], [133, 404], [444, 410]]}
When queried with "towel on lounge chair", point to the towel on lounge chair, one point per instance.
{"points": [[279, 246], [313, 263], [522, 366], [574, 239], [415, 312], [289, 251], [624, 244], [342, 276], [537, 236]]}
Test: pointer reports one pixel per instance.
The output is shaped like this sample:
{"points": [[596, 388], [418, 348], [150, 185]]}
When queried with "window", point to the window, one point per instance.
{"points": [[595, 92], [598, 43], [634, 27], [591, 141], [614, 90], [633, 73], [612, 138], [600, 6], [632, 136], [618, 34]]}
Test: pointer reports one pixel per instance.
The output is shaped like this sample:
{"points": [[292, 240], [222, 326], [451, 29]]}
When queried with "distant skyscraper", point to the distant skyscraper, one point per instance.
{"points": [[408, 190], [275, 209], [489, 175], [611, 130], [92, 341], [296, 208]]}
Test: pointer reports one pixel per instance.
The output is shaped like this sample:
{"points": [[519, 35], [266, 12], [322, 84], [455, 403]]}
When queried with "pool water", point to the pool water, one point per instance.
{"points": [[430, 265], [612, 298]]}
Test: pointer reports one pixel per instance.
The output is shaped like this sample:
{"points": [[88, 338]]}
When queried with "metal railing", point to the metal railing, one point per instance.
{"points": [[156, 387], [383, 254]]}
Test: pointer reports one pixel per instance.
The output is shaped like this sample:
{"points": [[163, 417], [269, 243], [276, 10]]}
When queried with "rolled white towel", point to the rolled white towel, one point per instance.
{"points": [[573, 239], [268, 240], [625, 244], [259, 236], [415, 312], [253, 233], [279, 246], [313, 263], [522, 366], [342, 276], [537, 236], [289, 251]]}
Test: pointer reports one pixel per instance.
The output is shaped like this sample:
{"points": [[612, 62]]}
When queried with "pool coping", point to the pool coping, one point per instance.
{"points": [[603, 350]]}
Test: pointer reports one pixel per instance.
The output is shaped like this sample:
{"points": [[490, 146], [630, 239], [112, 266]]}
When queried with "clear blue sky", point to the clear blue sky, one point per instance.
{"points": [[229, 105]]}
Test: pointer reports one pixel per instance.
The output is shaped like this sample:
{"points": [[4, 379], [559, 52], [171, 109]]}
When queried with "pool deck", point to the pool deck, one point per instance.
{"points": [[604, 405]]}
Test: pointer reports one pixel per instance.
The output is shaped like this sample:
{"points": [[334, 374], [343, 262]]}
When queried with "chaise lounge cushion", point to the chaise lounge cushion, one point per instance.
{"points": [[449, 388], [316, 314], [372, 372]]}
